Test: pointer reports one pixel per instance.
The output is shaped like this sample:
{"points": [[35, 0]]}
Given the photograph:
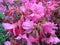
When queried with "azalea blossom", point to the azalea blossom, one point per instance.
{"points": [[51, 5], [48, 27], [1, 0], [21, 36], [10, 1], [35, 17], [51, 39], [30, 21], [7, 43], [2, 8], [8, 26], [38, 8], [24, 37], [28, 25]]}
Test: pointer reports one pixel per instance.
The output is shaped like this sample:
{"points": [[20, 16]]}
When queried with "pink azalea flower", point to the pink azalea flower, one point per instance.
{"points": [[24, 37], [38, 8], [1, 0], [7, 43], [29, 42], [32, 39], [51, 5], [33, 1], [29, 1], [25, 1], [48, 27], [35, 17], [51, 39], [8, 25], [2, 8], [21, 36], [27, 25], [10, 1], [10, 7], [27, 21], [22, 8]]}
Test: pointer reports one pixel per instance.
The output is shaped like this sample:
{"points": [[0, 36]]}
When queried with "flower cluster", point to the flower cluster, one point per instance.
{"points": [[29, 22]]}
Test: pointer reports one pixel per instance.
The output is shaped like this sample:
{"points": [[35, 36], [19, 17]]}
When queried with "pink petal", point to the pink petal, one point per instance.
{"points": [[8, 25], [7, 43], [53, 40], [1, 0], [31, 38], [29, 42]]}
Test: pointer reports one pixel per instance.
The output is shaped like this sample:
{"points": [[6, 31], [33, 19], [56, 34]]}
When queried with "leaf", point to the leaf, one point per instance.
{"points": [[3, 36], [1, 27], [2, 15]]}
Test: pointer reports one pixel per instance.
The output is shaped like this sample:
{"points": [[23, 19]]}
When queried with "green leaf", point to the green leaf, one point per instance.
{"points": [[1, 27], [2, 15], [3, 36]]}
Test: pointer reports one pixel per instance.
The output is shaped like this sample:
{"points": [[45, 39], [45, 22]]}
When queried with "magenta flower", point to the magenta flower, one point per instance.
{"points": [[7, 43], [25, 1], [51, 40], [38, 8], [11, 7], [1, 0], [28, 25], [29, 20], [24, 37], [52, 5], [32, 39], [2, 8], [48, 27], [35, 17], [21, 36], [8, 26], [22, 8], [10, 1]]}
